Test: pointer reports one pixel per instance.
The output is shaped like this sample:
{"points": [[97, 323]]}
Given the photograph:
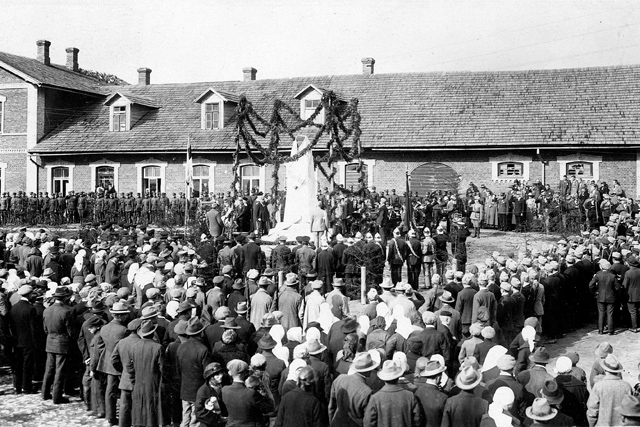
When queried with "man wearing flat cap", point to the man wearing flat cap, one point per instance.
{"points": [[246, 406], [22, 318]]}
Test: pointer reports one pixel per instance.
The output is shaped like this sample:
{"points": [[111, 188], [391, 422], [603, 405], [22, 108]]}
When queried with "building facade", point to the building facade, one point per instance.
{"points": [[61, 130]]}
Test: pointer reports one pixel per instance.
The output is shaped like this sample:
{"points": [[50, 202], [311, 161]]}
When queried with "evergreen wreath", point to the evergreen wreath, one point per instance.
{"points": [[341, 123]]}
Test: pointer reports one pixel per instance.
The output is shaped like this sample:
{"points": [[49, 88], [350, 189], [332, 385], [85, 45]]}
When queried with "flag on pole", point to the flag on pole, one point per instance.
{"points": [[189, 163], [408, 214]]}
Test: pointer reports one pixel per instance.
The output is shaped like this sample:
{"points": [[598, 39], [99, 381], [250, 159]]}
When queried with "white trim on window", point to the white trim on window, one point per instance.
{"points": [[212, 99], [262, 175], [142, 165], [341, 173], [121, 102], [3, 100], [49, 169], [563, 161], [508, 158], [94, 168], [3, 177], [212, 174]]}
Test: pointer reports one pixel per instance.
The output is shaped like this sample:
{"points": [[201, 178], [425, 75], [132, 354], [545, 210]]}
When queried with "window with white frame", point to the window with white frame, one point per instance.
{"points": [[310, 106], [201, 176], [105, 177], [119, 118], [250, 178], [151, 179], [580, 166], [510, 170], [352, 175], [60, 180], [212, 115], [3, 99], [582, 170]]}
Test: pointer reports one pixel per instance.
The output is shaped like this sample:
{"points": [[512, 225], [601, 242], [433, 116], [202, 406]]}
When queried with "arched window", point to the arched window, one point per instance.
{"points": [[151, 179], [580, 170], [60, 180], [105, 177], [200, 180], [249, 178], [351, 175], [510, 169]]}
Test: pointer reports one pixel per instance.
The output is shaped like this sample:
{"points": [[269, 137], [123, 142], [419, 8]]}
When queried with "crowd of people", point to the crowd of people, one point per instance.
{"points": [[150, 329]]}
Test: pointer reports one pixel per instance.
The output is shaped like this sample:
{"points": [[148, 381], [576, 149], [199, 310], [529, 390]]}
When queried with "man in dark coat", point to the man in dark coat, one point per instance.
{"points": [[414, 259], [631, 284], [57, 326], [575, 392], [300, 408], [251, 257], [431, 397], [325, 266], [464, 305], [215, 222], [245, 406], [397, 253], [193, 356], [110, 335], [433, 341], [274, 366], [606, 286], [350, 394], [23, 327], [522, 399], [465, 408], [122, 352], [281, 256]]}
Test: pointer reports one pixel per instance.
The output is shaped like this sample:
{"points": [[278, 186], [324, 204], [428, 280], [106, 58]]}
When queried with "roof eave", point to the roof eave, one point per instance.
{"points": [[20, 74]]}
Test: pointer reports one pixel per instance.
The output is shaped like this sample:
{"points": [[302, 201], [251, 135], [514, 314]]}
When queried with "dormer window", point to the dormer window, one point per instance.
{"points": [[216, 108], [310, 99], [126, 110], [310, 106], [212, 115], [119, 119]]}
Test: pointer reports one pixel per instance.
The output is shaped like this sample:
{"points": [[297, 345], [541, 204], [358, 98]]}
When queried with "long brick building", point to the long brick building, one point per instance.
{"points": [[62, 130]]}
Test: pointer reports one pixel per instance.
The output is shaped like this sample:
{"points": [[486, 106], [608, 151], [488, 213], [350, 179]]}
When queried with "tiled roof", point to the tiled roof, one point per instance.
{"points": [[133, 98], [514, 109], [51, 75]]}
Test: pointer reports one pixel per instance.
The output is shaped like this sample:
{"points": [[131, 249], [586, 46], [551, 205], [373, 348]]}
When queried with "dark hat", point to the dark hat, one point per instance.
{"points": [[94, 322], [194, 326], [212, 369], [312, 274], [134, 324], [251, 235], [540, 355], [238, 284], [445, 313], [349, 326], [633, 261], [267, 342], [230, 323], [62, 292], [551, 392], [306, 239]]}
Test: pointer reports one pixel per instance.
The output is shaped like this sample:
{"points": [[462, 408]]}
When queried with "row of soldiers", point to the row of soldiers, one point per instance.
{"points": [[143, 208]]}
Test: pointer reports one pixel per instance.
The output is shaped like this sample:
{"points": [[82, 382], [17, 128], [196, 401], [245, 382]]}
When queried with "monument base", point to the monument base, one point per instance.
{"points": [[290, 231]]}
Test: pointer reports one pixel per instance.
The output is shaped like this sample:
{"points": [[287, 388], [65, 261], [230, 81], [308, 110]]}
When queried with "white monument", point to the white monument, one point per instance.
{"points": [[301, 195]]}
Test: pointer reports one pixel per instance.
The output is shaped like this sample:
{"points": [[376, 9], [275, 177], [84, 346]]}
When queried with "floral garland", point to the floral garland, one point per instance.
{"points": [[341, 124]]}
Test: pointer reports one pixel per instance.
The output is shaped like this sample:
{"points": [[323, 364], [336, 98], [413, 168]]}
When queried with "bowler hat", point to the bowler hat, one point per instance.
{"points": [[62, 292]]}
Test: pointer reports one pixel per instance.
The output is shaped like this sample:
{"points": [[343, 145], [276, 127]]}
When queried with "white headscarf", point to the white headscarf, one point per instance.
{"points": [[295, 334], [364, 324], [492, 357], [295, 367], [382, 309], [280, 351], [502, 397], [529, 335], [326, 317], [404, 327], [79, 262], [133, 269]]}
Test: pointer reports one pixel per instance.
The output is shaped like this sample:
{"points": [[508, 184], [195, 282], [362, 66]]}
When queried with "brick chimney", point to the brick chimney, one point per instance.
{"points": [[72, 58], [144, 76], [367, 66], [43, 51], [249, 73]]}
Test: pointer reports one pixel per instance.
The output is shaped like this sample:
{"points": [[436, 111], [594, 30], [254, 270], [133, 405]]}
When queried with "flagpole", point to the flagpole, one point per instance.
{"points": [[187, 183]]}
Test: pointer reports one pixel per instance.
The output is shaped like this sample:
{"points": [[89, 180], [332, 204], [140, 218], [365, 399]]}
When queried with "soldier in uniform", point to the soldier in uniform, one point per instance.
{"points": [[81, 206], [182, 207], [122, 208], [174, 204], [53, 208], [32, 206], [62, 207], [112, 207], [129, 208], [146, 210], [153, 206], [193, 203], [42, 209], [99, 207], [4, 208], [137, 216], [163, 205], [72, 208]]}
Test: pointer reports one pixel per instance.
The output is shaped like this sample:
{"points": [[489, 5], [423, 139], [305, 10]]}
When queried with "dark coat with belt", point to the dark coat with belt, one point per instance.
{"points": [[245, 406], [464, 409], [57, 326], [300, 408], [23, 324], [432, 401], [393, 406], [193, 357], [145, 369]]}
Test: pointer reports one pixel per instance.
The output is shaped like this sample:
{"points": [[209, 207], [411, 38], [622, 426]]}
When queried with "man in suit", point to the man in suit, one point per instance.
{"points": [[319, 223], [23, 327], [325, 266], [397, 253], [193, 356], [215, 222], [382, 220], [606, 285], [464, 303], [414, 259], [251, 256], [245, 406], [522, 398], [433, 341], [305, 259], [123, 352], [631, 284], [57, 326], [430, 396], [110, 335]]}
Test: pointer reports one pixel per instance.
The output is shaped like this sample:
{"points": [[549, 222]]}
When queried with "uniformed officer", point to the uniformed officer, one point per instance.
{"points": [[72, 207]]}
